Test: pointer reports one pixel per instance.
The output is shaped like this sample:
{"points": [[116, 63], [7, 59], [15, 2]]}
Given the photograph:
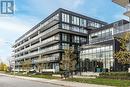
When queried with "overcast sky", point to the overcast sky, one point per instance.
{"points": [[29, 12]]}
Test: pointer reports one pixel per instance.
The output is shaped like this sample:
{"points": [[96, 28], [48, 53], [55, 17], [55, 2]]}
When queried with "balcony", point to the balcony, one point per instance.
{"points": [[46, 34], [122, 3], [122, 29], [102, 37], [37, 45], [49, 59], [37, 53], [127, 13], [53, 22]]}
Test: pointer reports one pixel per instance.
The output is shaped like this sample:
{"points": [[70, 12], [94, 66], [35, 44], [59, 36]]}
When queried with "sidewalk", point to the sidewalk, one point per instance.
{"points": [[57, 82]]}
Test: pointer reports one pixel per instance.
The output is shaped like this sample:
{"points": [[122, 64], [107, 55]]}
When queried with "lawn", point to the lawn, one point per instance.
{"points": [[32, 75], [101, 81], [45, 76]]}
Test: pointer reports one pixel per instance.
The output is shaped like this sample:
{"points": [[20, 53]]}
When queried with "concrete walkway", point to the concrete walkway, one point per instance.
{"points": [[57, 82]]}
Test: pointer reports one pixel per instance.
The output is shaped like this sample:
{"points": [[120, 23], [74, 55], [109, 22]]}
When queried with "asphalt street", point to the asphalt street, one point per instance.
{"points": [[16, 82]]}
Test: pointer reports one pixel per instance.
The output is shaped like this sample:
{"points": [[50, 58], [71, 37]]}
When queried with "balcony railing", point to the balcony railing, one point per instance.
{"points": [[46, 59], [36, 45], [35, 53], [121, 29], [102, 39], [45, 27], [121, 2]]}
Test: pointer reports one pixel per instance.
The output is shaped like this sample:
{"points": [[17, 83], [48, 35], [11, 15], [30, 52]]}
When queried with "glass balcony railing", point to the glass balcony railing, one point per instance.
{"points": [[121, 29]]}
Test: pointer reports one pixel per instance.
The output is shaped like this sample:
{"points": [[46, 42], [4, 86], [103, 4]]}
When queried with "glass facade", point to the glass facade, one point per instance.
{"points": [[65, 37], [45, 42], [65, 17], [101, 36], [122, 28], [102, 54], [75, 20], [74, 38], [83, 22], [74, 28], [65, 45], [94, 24], [78, 24]]}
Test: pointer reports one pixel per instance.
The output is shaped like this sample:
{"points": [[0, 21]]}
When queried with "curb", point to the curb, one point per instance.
{"points": [[55, 82], [37, 80]]}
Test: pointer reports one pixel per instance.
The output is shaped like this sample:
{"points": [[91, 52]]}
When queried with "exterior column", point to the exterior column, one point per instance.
{"points": [[28, 38], [40, 40], [38, 49], [38, 32], [30, 44]]}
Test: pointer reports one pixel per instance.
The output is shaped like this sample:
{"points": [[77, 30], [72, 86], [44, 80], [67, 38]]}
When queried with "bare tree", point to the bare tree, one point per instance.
{"points": [[68, 61], [39, 67], [26, 65]]}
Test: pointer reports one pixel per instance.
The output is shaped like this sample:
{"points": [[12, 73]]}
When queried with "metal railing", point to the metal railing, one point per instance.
{"points": [[121, 29]]}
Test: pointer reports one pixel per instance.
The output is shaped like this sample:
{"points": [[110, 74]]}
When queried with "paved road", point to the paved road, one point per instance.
{"points": [[15, 82]]}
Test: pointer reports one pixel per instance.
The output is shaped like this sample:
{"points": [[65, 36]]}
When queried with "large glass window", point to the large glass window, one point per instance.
{"points": [[82, 22], [75, 20], [101, 36], [65, 45], [83, 39], [103, 54], [74, 28], [75, 39], [66, 26], [94, 24], [65, 17], [64, 37]]}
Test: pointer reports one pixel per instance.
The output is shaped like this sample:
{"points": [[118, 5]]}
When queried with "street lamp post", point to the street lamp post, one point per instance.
{"points": [[14, 57], [14, 66]]}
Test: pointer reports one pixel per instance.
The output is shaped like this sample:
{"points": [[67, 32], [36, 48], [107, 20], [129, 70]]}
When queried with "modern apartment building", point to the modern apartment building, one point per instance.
{"points": [[97, 55], [92, 39], [45, 43]]}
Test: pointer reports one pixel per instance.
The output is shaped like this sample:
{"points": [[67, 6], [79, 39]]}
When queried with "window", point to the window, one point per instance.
{"points": [[75, 39], [82, 39], [65, 26], [94, 24], [65, 45], [102, 54], [75, 20], [65, 17], [82, 22], [64, 37], [82, 30], [74, 28]]}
